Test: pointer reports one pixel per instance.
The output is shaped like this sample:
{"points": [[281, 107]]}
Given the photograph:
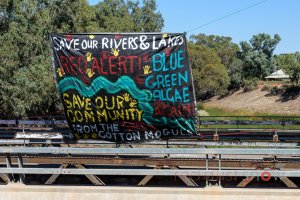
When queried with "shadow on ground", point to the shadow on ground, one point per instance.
{"points": [[291, 93], [285, 94]]}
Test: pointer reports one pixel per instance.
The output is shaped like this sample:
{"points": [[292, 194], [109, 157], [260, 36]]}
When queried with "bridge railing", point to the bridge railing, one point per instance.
{"points": [[255, 122], [271, 122], [212, 128]]}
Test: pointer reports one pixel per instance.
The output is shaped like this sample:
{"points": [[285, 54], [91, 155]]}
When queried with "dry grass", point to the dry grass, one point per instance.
{"points": [[255, 102]]}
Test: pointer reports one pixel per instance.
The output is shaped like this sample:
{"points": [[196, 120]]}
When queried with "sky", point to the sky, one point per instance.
{"points": [[268, 16]]}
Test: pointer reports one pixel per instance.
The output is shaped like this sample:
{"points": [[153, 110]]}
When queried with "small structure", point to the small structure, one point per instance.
{"points": [[278, 75]]}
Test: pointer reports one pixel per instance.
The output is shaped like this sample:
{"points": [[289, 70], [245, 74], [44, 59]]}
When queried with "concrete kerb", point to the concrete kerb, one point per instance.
{"points": [[19, 191]]}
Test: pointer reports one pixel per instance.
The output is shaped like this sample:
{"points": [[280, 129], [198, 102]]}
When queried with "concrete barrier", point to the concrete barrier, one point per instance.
{"points": [[22, 192]]}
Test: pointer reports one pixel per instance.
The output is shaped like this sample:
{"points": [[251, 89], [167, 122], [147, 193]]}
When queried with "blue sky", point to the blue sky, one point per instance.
{"points": [[271, 16]]}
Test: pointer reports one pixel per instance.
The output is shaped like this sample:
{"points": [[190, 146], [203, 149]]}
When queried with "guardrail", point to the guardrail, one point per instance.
{"points": [[147, 151], [213, 128], [165, 168], [279, 122], [203, 121], [47, 122]]}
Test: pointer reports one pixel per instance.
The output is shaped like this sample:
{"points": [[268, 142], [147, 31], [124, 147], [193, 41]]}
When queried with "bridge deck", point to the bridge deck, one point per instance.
{"points": [[21, 192]]}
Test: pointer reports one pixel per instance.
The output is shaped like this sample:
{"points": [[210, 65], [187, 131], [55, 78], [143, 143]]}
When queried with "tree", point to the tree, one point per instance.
{"points": [[6, 14], [210, 75], [290, 63], [26, 81], [151, 19], [226, 51], [257, 55], [24, 39], [69, 16], [224, 46], [235, 72], [127, 16], [295, 74], [114, 16], [33, 90]]}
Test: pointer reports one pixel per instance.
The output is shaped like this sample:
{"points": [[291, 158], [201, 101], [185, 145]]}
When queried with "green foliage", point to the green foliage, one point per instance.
{"points": [[200, 106], [285, 61], [244, 115], [257, 55], [151, 20], [210, 75], [249, 85], [266, 87], [291, 65], [23, 42], [295, 75], [212, 111], [37, 81], [126, 16], [226, 51], [224, 46], [113, 15], [25, 65], [26, 81], [235, 72], [68, 16]]}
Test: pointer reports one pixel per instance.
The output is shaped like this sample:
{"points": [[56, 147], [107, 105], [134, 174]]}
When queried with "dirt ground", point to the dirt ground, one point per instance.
{"points": [[258, 101]]}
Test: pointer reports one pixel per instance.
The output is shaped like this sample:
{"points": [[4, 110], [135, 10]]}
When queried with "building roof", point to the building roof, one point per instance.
{"points": [[278, 75]]}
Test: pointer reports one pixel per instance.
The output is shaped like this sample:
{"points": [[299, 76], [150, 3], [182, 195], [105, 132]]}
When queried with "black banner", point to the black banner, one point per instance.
{"points": [[125, 87]]}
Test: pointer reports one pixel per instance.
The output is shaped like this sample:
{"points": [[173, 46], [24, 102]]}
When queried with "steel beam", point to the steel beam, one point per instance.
{"points": [[148, 151], [152, 143], [9, 165], [53, 177], [94, 179], [147, 178], [245, 181], [154, 172], [249, 163], [186, 180], [5, 178], [288, 182], [20, 165]]}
